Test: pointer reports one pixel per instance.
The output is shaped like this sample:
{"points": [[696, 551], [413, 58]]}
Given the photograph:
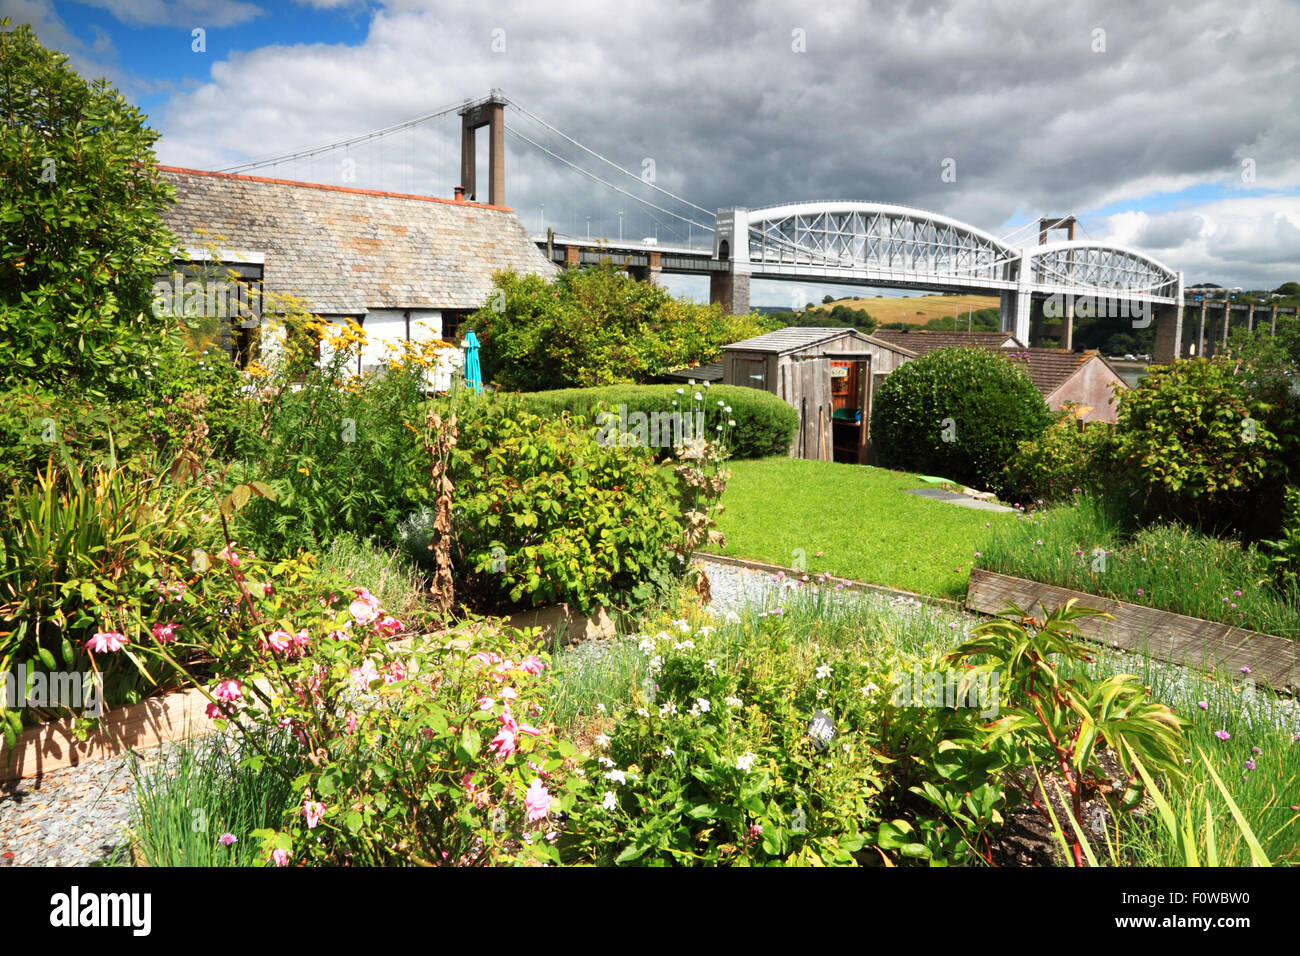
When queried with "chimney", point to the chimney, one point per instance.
{"points": [[460, 194]]}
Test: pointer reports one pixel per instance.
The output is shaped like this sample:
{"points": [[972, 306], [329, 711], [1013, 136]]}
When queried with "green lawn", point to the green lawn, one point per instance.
{"points": [[853, 522]]}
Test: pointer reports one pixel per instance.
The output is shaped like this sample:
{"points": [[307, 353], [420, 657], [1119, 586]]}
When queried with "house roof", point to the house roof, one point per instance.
{"points": [[1049, 369], [925, 340], [348, 251], [798, 338]]}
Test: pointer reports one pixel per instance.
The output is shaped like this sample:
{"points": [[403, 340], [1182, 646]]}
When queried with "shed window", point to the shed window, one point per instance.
{"points": [[756, 373]]}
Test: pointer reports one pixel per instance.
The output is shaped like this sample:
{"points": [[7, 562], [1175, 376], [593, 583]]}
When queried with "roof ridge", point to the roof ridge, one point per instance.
{"points": [[339, 189]]}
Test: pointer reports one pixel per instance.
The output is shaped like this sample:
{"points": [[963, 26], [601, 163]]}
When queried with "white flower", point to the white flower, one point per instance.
{"points": [[821, 692], [721, 403], [610, 802], [699, 397], [682, 625], [668, 709], [656, 664], [602, 741], [711, 665], [605, 761], [579, 771], [731, 701], [745, 761], [824, 672], [727, 409], [707, 629], [870, 689], [681, 391], [618, 776], [602, 708], [686, 645], [731, 617], [646, 645], [661, 636], [642, 712], [668, 751]]}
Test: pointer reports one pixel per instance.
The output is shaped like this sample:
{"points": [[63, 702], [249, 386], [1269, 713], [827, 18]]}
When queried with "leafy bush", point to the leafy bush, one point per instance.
{"points": [[595, 326], [547, 513], [1064, 460], [957, 412], [765, 425], [1195, 438], [82, 234]]}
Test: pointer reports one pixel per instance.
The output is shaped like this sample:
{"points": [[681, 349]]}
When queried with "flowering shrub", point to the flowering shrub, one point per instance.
{"points": [[715, 764], [430, 753]]}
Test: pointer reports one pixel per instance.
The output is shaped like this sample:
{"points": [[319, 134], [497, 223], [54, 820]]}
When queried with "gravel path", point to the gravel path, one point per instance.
{"points": [[74, 816]]}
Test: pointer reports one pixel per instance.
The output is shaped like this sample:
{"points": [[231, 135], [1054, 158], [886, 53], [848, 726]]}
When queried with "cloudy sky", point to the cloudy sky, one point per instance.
{"points": [[1172, 128]]}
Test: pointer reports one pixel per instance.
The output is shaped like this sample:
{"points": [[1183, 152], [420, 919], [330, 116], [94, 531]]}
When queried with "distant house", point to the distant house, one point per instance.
{"points": [[828, 375], [404, 267], [1084, 379]]}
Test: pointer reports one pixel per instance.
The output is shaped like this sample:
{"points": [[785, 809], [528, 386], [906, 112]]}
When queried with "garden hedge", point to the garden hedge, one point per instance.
{"points": [[765, 425]]}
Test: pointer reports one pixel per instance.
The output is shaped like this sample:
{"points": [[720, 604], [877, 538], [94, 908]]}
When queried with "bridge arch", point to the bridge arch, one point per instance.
{"points": [[1082, 267], [881, 240]]}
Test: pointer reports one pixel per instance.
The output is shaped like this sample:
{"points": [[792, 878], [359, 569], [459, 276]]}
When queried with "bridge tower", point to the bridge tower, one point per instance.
{"points": [[1046, 225], [731, 245], [490, 112]]}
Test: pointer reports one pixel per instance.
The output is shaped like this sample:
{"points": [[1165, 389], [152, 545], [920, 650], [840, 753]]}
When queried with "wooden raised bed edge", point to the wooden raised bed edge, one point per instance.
{"points": [[180, 714], [1163, 635]]}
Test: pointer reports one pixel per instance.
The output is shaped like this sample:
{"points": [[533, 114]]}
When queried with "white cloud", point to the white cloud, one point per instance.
{"points": [[179, 13]]}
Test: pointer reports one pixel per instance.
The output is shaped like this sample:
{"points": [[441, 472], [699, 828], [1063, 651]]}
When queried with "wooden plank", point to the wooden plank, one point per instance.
{"points": [[1163, 635]]}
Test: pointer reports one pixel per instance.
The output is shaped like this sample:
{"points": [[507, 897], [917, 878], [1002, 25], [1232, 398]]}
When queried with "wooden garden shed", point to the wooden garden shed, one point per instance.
{"points": [[828, 375]]}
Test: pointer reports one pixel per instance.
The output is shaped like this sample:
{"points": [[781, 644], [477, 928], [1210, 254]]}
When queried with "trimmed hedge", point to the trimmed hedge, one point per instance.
{"points": [[958, 412], [765, 425]]}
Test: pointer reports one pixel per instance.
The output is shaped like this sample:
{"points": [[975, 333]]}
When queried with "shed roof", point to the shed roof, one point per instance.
{"points": [[348, 251], [797, 338]]}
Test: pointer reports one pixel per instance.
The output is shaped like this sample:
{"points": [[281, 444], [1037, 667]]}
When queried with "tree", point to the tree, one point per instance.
{"points": [[80, 198], [827, 299], [596, 326]]}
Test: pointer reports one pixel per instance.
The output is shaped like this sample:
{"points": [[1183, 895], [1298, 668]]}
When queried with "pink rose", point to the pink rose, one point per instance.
{"points": [[105, 641], [313, 811], [228, 690], [279, 857], [537, 800], [165, 633]]}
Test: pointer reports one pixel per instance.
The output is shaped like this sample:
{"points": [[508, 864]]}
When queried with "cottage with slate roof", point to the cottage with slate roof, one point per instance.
{"points": [[405, 267]]}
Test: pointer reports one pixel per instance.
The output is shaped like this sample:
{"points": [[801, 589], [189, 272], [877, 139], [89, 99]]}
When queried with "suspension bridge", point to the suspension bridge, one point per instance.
{"points": [[828, 241]]}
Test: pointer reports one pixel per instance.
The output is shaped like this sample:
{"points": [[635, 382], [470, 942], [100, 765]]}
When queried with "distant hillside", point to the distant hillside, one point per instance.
{"points": [[916, 310]]}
